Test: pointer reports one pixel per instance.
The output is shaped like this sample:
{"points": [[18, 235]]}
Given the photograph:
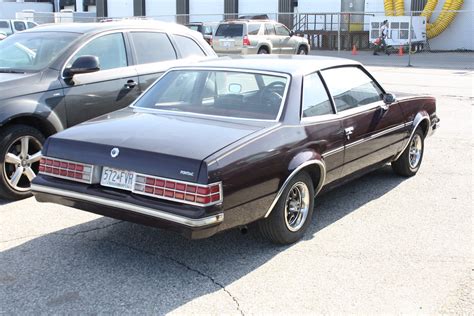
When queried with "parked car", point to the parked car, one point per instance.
{"points": [[53, 77], [257, 37], [207, 29], [8, 27], [230, 142]]}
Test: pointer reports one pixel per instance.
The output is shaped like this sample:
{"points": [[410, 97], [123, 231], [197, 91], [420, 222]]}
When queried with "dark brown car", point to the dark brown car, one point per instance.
{"points": [[234, 141]]}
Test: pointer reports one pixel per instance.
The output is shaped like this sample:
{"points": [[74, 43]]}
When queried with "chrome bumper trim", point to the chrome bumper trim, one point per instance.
{"points": [[190, 222]]}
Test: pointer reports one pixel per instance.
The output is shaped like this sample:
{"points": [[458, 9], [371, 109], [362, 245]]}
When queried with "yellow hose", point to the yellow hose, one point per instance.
{"points": [[399, 7], [429, 8], [388, 6], [446, 16]]}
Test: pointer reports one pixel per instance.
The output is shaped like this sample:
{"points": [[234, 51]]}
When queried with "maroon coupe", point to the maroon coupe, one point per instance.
{"points": [[234, 141]]}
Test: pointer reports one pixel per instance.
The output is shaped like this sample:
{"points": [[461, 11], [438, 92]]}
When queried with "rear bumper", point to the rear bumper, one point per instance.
{"points": [[435, 124], [193, 228]]}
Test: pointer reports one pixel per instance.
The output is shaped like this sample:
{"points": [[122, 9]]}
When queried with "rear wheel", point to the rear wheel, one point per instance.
{"points": [[263, 50], [409, 162], [292, 214], [20, 153], [302, 50]]}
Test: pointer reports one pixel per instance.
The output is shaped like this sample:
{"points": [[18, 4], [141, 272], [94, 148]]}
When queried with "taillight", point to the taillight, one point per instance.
{"points": [[185, 192], [246, 41], [66, 169], [210, 40]]}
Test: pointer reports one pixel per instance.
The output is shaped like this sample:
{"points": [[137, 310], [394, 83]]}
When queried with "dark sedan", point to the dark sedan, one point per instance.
{"points": [[234, 141], [55, 76]]}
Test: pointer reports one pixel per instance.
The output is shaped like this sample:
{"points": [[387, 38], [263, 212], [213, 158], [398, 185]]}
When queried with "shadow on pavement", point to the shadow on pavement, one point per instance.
{"points": [[119, 267]]}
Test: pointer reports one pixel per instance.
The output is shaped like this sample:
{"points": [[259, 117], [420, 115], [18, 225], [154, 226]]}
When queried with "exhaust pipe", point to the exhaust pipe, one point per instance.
{"points": [[243, 229]]}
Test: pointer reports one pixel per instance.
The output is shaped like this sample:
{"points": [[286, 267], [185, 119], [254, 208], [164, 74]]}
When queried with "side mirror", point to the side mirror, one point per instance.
{"points": [[83, 65], [292, 33], [388, 99]]}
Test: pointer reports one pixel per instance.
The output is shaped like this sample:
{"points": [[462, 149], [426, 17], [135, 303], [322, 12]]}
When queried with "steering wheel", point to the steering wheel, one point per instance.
{"points": [[272, 94]]}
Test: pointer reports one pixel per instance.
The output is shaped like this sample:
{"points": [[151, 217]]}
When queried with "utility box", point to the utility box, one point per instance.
{"points": [[398, 29]]}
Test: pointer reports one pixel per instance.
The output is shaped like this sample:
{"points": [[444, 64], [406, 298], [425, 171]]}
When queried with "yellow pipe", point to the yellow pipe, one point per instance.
{"points": [[388, 6], [445, 18], [429, 8], [399, 7]]}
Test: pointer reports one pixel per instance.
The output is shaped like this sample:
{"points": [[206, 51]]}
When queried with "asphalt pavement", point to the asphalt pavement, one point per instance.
{"points": [[380, 244]]}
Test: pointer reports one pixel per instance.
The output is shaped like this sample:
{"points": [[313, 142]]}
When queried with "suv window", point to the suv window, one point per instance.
{"points": [[188, 47], [230, 30], [315, 98], [19, 26], [152, 47], [281, 30], [351, 87], [4, 25], [110, 49], [31, 25], [253, 29], [269, 29]]}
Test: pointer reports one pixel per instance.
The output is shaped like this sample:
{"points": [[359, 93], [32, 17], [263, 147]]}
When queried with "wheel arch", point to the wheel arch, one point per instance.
{"points": [[422, 120], [315, 167], [46, 127], [266, 46]]}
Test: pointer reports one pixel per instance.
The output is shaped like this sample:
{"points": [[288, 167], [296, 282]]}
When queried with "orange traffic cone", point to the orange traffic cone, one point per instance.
{"points": [[400, 51], [354, 50]]}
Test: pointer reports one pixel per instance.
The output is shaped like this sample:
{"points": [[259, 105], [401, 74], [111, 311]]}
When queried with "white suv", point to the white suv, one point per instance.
{"points": [[8, 27], [257, 37]]}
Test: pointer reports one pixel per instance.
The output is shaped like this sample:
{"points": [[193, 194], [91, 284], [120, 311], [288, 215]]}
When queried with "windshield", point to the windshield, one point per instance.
{"points": [[29, 52], [218, 93]]}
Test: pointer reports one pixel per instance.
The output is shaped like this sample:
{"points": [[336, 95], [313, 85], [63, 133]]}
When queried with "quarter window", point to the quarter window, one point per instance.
{"points": [[110, 49], [351, 87], [152, 47], [188, 47], [315, 98], [253, 29]]}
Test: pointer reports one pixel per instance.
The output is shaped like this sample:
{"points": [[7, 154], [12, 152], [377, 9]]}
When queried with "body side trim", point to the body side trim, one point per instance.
{"points": [[190, 222], [322, 179]]}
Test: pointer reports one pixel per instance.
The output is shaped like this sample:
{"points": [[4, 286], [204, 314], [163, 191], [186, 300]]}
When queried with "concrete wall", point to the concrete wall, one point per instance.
{"points": [[8, 10]]}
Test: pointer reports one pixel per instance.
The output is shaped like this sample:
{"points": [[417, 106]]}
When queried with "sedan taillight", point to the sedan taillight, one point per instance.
{"points": [[185, 192], [66, 169]]}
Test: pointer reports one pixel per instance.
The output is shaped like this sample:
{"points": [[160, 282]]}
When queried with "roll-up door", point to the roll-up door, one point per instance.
{"points": [[206, 10], [119, 8], [163, 10], [249, 7]]}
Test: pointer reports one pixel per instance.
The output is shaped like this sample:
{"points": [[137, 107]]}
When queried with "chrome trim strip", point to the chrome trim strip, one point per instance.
{"points": [[230, 69], [387, 131], [285, 184], [411, 134], [190, 222], [333, 151]]}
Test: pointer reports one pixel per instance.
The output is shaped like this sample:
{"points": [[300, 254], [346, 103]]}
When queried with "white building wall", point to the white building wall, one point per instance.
{"points": [[206, 10], [163, 10], [8, 10], [119, 8], [269, 7]]}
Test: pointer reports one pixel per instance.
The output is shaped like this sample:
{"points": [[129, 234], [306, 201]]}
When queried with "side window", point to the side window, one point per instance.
{"points": [[110, 49], [152, 47], [281, 30], [188, 47], [31, 25], [269, 29], [315, 98], [253, 29], [19, 26], [351, 87]]}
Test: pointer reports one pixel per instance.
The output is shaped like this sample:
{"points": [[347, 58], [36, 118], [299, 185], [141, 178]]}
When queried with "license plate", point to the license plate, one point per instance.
{"points": [[228, 44], [116, 178]]}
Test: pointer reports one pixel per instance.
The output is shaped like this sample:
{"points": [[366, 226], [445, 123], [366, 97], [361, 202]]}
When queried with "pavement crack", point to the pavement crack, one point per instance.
{"points": [[184, 265], [88, 230]]}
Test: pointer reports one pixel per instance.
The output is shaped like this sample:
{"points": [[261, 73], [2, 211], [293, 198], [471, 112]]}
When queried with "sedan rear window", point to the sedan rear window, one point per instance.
{"points": [[230, 30], [218, 93]]}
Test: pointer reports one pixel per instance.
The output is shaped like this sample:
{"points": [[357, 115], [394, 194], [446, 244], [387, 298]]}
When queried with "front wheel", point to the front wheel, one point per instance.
{"points": [[302, 50], [20, 153], [409, 162], [293, 212]]}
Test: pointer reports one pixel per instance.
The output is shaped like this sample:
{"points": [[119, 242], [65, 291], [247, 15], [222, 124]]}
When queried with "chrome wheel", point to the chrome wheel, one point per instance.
{"points": [[297, 206], [21, 162], [415, 151]]}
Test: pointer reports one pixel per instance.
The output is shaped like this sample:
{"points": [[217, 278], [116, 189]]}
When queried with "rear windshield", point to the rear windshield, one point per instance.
{"points": [[218, 93], [230, 30]]}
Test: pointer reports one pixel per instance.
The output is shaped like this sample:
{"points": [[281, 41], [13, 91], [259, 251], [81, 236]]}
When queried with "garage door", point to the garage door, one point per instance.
{"points": [[269, 7], [206, 10], [163, 10], [119, 8]]}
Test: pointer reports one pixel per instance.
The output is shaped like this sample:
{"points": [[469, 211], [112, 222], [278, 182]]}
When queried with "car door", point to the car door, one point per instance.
{"points": [[322, 125], [372, 133], [154, 54], [286, 42], [113, 87], [271, 37]]}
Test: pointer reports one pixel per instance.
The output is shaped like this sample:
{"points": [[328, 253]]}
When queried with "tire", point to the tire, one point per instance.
{"points": [[263, 50], [282, 226], [302, 51], [408, 164], [20, 147]]}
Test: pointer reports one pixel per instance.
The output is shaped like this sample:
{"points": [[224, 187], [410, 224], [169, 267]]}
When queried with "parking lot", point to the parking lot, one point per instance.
{"points": [[379, 244]]}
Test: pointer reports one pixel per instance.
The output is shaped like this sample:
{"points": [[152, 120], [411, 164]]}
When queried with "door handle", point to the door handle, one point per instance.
{"points": [[348, 132], [130, 84]]}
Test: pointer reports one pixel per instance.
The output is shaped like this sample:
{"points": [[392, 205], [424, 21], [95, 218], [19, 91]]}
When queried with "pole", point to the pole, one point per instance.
{"points": [[409, 39], [339, 34]]}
